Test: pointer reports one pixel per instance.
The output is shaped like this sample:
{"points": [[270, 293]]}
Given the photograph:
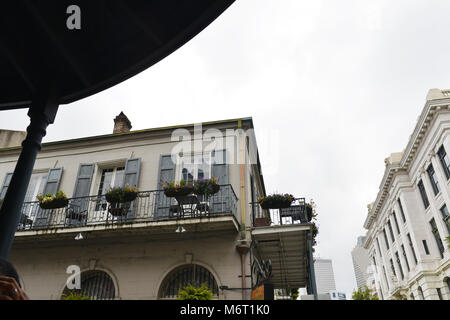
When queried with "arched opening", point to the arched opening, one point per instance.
{"points": [[95, 284], [191, 274]]}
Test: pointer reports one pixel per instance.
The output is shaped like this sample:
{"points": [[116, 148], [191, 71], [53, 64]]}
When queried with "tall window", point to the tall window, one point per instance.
{"points": [[412, 248], [439, 293], [396, 222], [194, 167], [401, 210], [392, 267], [379, 249], [423, 194], [421, 293], [385, 277], [390, 231], [405, 257], [446, 217], [425, 246], [437, 237], [433, 179], [386, 239], [36, 186], [445, 162], [111, 178], [399, 264]]}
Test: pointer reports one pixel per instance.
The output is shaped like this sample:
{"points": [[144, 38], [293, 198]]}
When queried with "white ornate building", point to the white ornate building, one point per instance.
{"points": [[408, 222]]}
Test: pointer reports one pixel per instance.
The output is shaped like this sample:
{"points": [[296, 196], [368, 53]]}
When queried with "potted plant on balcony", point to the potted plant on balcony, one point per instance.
{"points": [[276, 201], [206, 187], [53, 201], [181, 189], [117, 196]]}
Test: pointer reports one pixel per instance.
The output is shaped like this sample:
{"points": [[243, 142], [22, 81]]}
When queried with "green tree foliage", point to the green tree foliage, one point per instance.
{"points": [[294, 294], [364, 293], [194, 293], [74, 296]]}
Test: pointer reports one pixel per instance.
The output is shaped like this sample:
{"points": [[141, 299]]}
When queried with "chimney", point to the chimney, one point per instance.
{"points": [[121, 124]]}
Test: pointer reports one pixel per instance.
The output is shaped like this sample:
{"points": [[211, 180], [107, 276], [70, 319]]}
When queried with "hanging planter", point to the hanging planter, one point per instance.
{"points": [[182, 189], [206, 187], [50, 201], [121, 195], [276, 201]]}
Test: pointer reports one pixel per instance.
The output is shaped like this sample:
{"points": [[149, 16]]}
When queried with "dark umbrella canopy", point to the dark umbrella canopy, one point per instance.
{"points": [[40, 55], [57, 52]]}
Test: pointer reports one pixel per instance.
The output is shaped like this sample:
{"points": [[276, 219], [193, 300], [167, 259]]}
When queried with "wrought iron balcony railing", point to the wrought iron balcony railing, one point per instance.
{"points": [[295, 214], [148, 206]]}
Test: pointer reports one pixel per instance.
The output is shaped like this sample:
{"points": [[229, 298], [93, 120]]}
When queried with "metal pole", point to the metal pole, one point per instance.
{"points": [[42, 112], [312, 275]]}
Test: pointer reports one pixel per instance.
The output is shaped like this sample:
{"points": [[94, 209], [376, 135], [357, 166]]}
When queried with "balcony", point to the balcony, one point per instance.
{"points": [[149, 209], [283, 239]]}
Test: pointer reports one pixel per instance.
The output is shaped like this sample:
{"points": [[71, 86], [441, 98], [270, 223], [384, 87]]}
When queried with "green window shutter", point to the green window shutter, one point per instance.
{"points": [[131, 178], [166, 174], [43, 216], [220, 202], [53, 181], [132, 170], [83, 186]]}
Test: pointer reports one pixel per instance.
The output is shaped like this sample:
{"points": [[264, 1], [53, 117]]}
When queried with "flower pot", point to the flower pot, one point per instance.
{"points": [[55, 204], [275, 204], [262, 222], [129, 196], [178, 192]]}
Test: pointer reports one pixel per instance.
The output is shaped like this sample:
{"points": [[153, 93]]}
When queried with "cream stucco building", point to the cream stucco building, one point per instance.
{"points": [[409, 220], [153, 247]]}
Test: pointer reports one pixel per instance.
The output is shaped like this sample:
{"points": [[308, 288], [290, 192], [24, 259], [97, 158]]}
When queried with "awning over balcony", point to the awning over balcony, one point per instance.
{"points": [[287, 248]]}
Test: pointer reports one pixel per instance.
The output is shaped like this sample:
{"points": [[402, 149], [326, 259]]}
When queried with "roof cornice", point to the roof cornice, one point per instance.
{"points": [[434, 104]]}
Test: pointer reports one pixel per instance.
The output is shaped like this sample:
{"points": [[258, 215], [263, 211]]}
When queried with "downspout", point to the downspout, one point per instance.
{"points": [[242, 194], [243, 249]]}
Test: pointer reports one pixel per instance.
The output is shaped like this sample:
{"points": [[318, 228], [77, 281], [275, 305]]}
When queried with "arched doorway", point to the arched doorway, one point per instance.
{"points": [[95, 284], [190, 274]]}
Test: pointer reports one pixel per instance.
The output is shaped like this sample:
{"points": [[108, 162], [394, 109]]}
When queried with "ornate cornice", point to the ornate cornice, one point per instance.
{"points": [[437, 101]]}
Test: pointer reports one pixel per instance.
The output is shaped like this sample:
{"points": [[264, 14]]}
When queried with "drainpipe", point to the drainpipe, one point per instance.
{"points": [[242, 193], [243, 249]]}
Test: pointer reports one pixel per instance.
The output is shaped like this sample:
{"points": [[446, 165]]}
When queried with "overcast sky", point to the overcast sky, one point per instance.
{"points": [[333, 87]]}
